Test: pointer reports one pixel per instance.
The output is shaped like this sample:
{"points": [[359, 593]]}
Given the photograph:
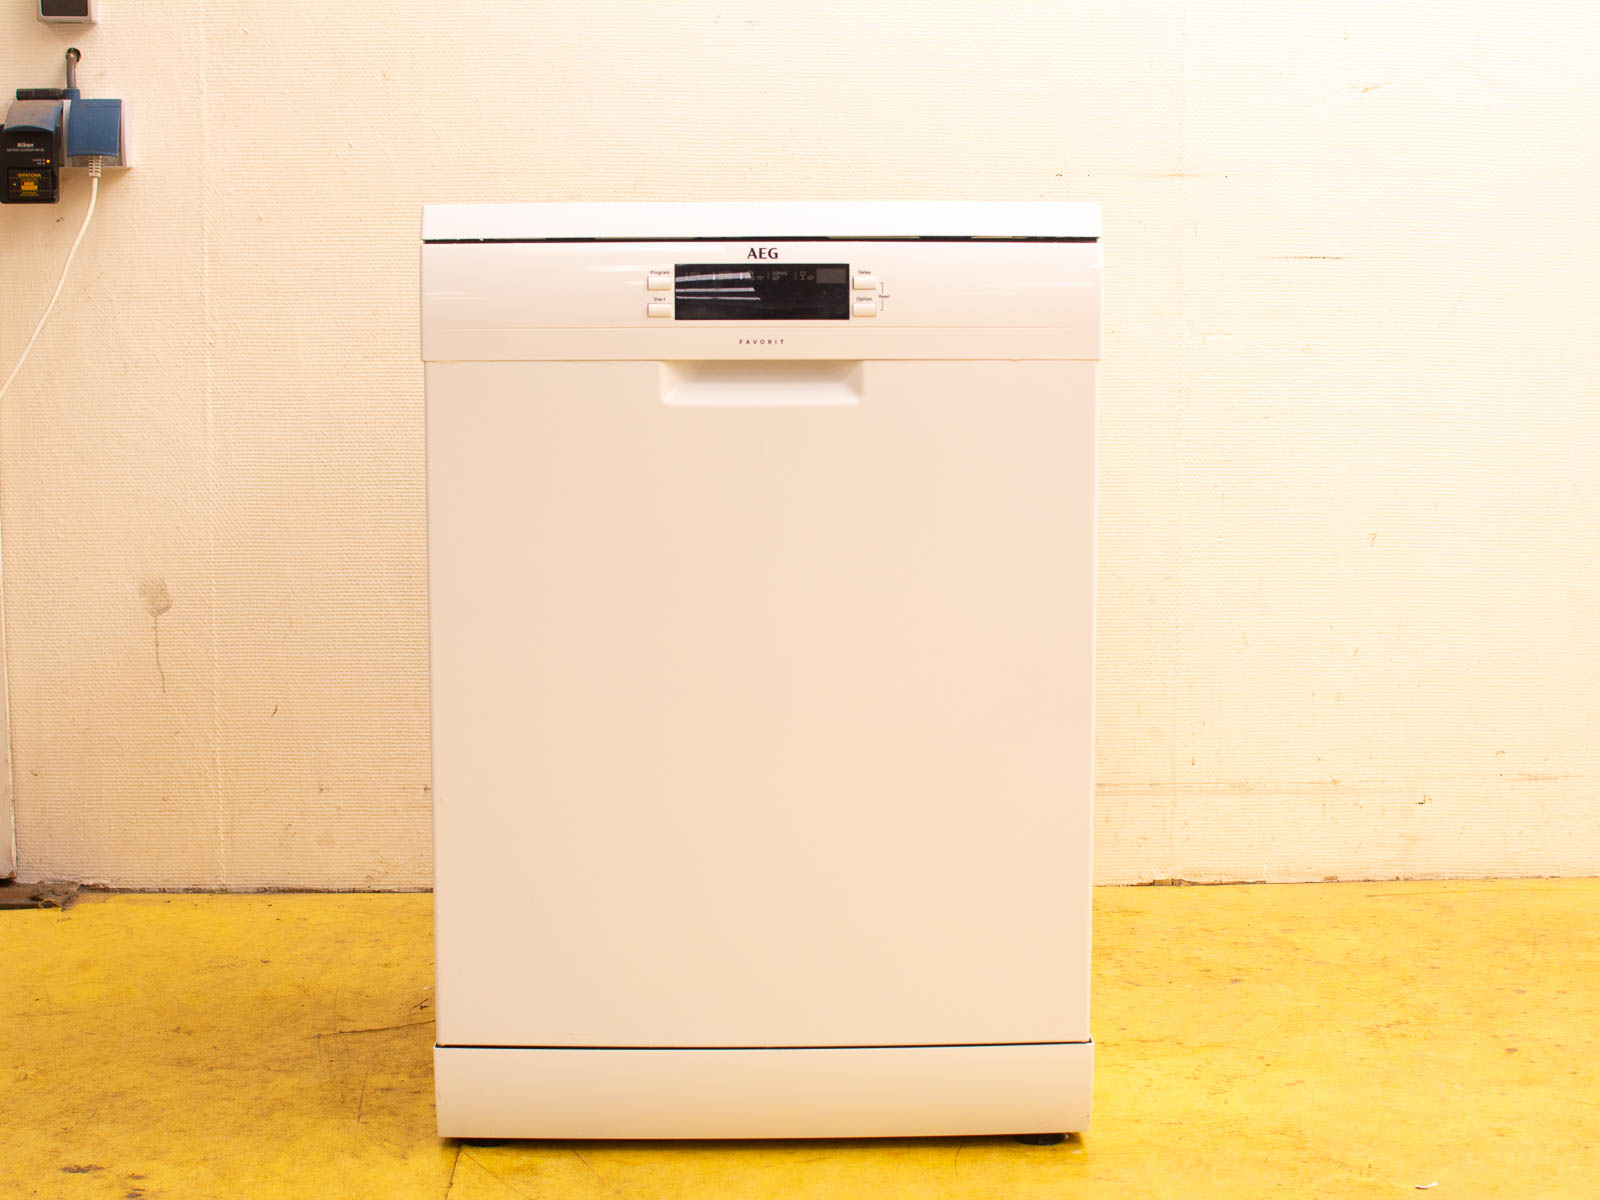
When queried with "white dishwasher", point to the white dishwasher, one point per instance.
{"points": [[761, 582]]}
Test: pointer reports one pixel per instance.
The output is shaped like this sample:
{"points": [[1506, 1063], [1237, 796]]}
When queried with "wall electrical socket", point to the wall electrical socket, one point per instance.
{"points": [[47, 129], [69, 12]]}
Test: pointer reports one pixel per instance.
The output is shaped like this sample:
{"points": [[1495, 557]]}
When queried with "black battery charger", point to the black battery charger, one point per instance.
{"points": [[31, 150]]}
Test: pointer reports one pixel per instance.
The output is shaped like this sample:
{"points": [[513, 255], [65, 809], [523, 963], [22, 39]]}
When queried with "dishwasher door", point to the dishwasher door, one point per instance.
{"points": [[766, 723]]}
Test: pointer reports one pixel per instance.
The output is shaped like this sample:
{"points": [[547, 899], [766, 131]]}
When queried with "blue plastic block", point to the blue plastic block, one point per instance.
{"points": [[95, 127]]}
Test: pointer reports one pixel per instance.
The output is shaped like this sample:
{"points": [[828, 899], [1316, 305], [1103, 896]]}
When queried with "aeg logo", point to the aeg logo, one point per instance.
{"points": [[763, 252]]}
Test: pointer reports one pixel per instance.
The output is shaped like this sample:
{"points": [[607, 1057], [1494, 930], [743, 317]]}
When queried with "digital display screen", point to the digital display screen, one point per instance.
{"points": [[761, 292]]}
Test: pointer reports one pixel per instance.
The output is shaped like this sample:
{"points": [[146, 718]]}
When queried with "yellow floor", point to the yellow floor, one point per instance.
{"points": [[1337, 1040]]}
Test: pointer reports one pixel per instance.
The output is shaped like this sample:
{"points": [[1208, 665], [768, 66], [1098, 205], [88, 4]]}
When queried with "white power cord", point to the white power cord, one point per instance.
{"points": [[94, 192]]}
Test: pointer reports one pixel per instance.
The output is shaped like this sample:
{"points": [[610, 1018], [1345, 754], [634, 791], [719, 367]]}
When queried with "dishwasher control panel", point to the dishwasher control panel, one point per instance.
{"points": [[761, 291], [716, 298]]}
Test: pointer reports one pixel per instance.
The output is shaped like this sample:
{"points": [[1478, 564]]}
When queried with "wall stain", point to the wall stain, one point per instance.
{"points": [[157, 600]]}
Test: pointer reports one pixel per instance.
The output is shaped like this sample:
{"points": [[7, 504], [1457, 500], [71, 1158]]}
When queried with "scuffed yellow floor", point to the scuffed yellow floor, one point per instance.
{"points": [[1339, 1040]]}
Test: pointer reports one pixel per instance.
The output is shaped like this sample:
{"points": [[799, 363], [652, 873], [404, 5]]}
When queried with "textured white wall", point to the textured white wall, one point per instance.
{"points": [[1349, 570]]}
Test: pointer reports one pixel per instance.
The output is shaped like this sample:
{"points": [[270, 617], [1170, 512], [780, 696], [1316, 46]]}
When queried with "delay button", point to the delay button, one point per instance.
{"points": [[865, 281]]}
